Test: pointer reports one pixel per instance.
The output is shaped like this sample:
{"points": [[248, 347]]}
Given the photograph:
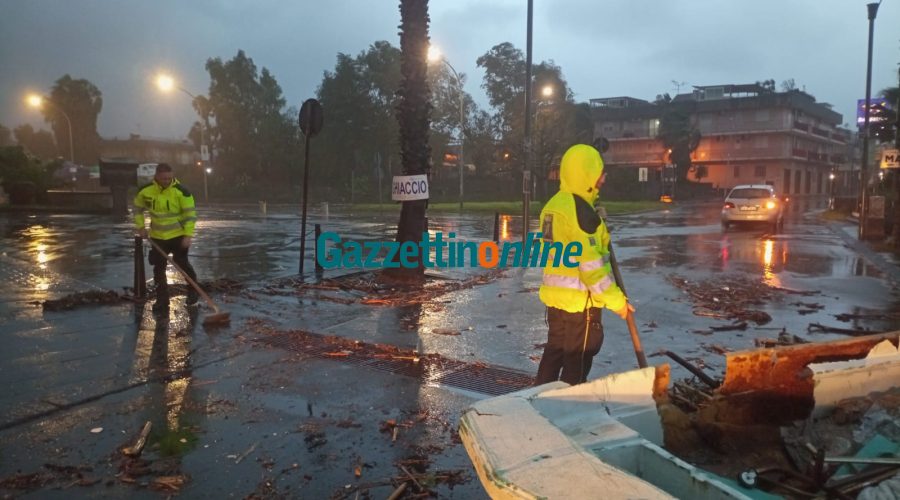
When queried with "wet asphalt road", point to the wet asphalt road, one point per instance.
{"points": [[117, 366]]}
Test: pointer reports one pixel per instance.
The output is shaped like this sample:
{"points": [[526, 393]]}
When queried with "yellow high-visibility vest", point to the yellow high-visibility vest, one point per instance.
{"points": [[568, 217], [172, 211]]}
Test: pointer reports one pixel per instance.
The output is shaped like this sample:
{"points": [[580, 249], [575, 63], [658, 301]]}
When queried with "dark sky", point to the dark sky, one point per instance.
{"points": [[605, 48]]}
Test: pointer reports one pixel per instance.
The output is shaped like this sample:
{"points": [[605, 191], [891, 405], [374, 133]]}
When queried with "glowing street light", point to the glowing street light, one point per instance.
{"points": [[434, 54], [547, 91], [37, 101]]}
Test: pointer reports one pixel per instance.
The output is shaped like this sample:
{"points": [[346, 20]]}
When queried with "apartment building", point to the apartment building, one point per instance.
{"points": [[749, 134], [178, 153]]}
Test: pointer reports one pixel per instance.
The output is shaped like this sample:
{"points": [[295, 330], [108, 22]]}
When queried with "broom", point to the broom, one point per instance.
{"points": [[219, 317]]}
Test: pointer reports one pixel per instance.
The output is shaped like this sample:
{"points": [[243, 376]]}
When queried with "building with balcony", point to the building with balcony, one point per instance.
{"points": [[750, 134]]}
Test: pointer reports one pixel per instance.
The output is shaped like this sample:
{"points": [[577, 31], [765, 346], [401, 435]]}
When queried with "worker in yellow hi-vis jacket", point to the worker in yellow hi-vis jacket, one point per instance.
{"points": [[172, 220], [574, 296]]}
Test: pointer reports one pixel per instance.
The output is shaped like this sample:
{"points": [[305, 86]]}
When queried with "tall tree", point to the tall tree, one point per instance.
{"points": [[81, 101], [255, 138], [679, 135], [555, 123], [359, 96], [413, 116], [39, 143], [884, 117]]}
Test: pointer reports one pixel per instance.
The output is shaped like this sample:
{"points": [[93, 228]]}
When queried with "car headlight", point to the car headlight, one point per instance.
{"points": [[771, 204]]}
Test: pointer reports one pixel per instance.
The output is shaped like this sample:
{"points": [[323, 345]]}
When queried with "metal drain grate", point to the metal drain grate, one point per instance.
{"points": [[475, 377]]}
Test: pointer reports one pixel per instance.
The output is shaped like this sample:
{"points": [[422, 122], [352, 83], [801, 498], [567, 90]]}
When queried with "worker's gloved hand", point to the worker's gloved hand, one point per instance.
{"points": [[623, 313], [186, 242], [142, 232]]}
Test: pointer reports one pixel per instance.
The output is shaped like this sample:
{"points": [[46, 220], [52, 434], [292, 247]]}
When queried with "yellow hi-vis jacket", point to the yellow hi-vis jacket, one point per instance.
{"points": [[172, 211], [568, 217]]}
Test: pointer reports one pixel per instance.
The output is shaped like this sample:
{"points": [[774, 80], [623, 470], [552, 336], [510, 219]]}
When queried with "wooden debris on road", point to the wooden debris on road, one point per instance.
{"points": [[734, 297], [820, 328], [138, 446]]}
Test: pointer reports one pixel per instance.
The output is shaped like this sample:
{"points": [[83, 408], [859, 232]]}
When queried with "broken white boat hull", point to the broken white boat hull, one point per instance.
{"points": [[603, 438]]}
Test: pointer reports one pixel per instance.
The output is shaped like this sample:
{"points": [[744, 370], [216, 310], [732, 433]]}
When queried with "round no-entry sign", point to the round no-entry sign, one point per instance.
{"points": [[311, 117]]}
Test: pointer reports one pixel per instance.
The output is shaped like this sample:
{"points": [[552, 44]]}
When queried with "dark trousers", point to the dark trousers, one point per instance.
{"points": [[573, 340], [180, 256]]}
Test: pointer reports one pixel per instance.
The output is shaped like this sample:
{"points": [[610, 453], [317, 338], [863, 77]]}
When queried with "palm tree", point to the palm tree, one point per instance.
{"points": [[413, 116]]}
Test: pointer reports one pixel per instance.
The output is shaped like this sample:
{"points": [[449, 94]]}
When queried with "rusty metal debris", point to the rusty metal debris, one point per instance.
{"points": [[758, 427]]}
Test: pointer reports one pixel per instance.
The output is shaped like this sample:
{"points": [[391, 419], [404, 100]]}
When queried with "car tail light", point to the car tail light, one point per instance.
{"points": [[771, 204], [729, 204]]}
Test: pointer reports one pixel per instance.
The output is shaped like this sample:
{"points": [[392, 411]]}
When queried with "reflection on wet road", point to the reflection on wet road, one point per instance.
{"points": [[54, 359]]}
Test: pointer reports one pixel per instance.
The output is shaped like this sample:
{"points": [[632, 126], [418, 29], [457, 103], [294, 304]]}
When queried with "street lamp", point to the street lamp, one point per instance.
{"points": [[864, 177], [434, 54], [36, 101], [831, 188], [166, 83]]}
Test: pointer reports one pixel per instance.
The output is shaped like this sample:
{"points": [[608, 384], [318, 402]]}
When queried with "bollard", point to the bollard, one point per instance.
{"points": [[262, 207], [319, 268], [140, 280], [496, 227]]}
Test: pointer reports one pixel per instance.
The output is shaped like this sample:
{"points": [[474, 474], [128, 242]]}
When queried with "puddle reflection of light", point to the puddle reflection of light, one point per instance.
{"points": [[41, 255], [767, 258], [504, 226], [41, 283]]}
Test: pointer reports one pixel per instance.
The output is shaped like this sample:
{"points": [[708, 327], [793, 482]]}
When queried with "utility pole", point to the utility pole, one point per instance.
{"points": [[864, 172], [526, 168]]}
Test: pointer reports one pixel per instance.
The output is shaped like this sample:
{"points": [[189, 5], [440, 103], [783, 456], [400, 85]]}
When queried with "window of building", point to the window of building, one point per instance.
{"points": [[798, 176], [759, 171], [787, 181], [653, 127], [737, 171]]}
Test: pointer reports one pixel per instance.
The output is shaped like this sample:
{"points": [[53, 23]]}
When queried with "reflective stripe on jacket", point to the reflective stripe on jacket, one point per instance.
{"points": [[172, 210], [568, 288]]}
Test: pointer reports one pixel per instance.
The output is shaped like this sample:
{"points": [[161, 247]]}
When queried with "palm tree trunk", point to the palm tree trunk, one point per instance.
{"points": [[413, 116]]}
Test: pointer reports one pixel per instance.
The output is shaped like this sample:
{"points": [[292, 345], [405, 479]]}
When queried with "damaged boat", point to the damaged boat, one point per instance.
{"points": [[766, 431]]}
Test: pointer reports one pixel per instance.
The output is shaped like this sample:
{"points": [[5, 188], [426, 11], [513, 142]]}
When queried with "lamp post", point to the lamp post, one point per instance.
{"points": [[433, 55], [831, 187], [166, 83], [526, 168], [864, 177], [36, 101]]}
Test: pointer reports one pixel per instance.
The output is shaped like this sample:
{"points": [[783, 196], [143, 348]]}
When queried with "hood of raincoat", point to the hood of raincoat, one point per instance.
{"points": [[579, 171]]}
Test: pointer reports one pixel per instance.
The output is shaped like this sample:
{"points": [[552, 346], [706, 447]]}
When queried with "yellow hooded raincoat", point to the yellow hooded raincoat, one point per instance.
{"points": [[569, 216]]}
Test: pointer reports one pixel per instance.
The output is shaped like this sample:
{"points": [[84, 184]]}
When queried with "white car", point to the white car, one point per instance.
{"points": [[753, 203]]}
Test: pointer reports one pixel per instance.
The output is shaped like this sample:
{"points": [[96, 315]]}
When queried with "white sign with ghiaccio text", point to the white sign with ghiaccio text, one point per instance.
{"points": [[409, 187]]}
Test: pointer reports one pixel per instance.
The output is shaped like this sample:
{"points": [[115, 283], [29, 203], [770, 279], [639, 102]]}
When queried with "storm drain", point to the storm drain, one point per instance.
{"points": [[432, 368]]}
